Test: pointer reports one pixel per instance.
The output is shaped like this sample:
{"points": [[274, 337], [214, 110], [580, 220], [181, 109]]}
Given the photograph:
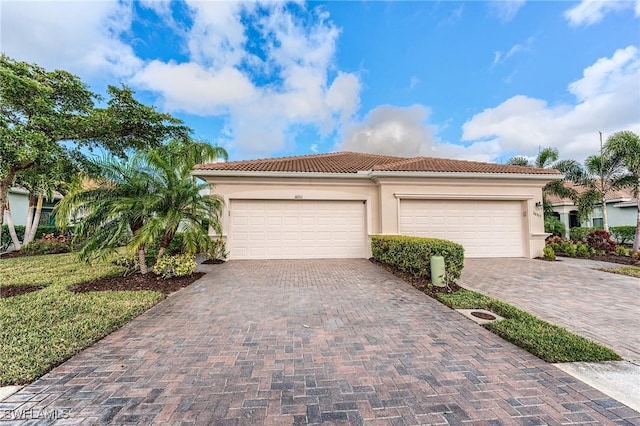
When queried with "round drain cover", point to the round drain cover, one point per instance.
{"points": [[483, 315]]}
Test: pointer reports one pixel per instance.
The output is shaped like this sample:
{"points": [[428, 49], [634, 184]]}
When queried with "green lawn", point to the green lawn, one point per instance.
{"points": [[631, 271], [547, 341], [41, 329]]}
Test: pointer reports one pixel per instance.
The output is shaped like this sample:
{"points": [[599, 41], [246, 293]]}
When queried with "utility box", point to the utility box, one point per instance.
{"points": [[438, 271]]}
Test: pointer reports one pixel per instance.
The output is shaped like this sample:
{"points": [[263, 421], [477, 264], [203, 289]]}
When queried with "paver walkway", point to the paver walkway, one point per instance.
{"points": [[295, 342], [599, 305]]}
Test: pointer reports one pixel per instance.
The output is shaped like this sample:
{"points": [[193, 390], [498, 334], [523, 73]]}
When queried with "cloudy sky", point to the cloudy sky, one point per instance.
{"points": [[472, 80]]}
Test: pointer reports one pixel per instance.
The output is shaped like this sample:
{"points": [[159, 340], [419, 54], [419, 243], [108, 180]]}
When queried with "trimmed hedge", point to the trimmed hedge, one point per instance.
{"points": [[413, 254], [623, 234]]}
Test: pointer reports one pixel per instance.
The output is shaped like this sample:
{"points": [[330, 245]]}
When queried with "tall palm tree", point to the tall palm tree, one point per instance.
{"points": [[626, 146], [602, 173]]}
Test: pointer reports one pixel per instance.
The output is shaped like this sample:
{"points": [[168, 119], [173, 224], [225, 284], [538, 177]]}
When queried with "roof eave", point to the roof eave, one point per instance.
{"points": [[467, 175], [242, 173]]}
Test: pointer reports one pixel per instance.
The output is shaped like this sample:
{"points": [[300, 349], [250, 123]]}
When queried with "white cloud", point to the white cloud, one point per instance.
{"points": [[413, 81], [506, 10], [392, 130], [607, 99], [79, 36], [500, 57], [589, 12], [222, 77]]}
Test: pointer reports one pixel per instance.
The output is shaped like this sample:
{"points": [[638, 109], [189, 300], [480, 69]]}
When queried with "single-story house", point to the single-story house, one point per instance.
{"points": [[19, 201], [329, 205], [622, 209]]}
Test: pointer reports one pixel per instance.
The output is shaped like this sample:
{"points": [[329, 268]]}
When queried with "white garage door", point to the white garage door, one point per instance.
{"points": [[300, 229], [484, 228]]}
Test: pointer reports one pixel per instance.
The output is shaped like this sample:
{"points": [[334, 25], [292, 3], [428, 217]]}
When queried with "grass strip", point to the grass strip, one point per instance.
{"points": [[549, 342], [42, 329], [631, 271]]}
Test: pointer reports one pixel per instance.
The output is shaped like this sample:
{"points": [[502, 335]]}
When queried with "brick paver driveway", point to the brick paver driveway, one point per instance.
{"points": [[601, 306], [284, 342]]}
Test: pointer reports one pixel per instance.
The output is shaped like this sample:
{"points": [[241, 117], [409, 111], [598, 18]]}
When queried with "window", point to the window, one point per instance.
{"points": [[597, 222]]}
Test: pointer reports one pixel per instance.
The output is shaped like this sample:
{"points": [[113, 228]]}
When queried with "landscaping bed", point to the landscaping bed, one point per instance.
{"points": [[137, 282], [422, 284]]}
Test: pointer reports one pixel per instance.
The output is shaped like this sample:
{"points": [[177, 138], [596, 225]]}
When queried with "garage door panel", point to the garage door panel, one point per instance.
{"points": [[296, 229], [484, 228]]}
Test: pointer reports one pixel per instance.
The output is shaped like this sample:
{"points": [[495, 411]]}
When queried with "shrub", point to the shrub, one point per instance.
{"points": [[180, 265], [218, 249], [579, 233], [568, 248], [635, 255], [583, 250], [623, 234], [600, 240], [44, 246], [6, 238], [554, 242], [548, 253], [621, 251], [554, 226], [413, 254]]}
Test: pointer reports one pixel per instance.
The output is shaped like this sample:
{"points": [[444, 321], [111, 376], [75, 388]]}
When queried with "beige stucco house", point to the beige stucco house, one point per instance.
{"points": [[329, 205]]}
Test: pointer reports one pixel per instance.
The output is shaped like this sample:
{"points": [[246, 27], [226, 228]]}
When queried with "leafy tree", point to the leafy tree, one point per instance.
{"points": [[626, 146], [144, 200], [40, 109]]}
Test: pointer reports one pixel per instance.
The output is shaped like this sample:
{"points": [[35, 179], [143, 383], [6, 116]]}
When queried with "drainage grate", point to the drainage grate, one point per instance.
{"points": [[481, 316]]}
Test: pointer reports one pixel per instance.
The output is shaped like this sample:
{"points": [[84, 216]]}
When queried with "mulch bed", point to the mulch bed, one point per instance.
{"points": [[213, 262], [16, 290], [137, 282], [422, 284], [623, 260], [12, 254]]}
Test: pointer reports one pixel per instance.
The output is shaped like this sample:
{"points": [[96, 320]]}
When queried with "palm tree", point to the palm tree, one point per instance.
{"points": [[112, 212], [143, 201], [179, 202], [602, 173], [626, 146], [547, 158]]}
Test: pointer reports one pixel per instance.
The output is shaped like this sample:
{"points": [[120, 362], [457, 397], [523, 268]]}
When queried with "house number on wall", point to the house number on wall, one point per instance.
{"points": [[298, 197]]}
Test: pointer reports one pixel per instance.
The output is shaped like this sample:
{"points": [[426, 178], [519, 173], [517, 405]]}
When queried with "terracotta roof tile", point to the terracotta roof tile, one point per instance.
{"points": [[336, 162], [353, 162], [619, 194], [431, 164]]}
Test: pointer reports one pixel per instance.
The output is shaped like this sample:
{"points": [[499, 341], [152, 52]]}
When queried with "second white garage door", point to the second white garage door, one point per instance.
{"points": [[484, 228], [296, 229]]}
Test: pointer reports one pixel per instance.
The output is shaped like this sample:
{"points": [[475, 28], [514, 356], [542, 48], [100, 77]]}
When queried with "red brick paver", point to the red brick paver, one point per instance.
{"points": [[601, 306], [298, 342]]}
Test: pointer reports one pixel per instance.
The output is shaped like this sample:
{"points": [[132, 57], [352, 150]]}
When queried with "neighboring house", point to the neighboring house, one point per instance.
{"points": [[19, 201], [329, 205], [622, 209]]}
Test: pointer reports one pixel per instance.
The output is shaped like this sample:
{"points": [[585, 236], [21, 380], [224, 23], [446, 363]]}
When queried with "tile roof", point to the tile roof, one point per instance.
{"points": [[353, 162], [619, 194]]}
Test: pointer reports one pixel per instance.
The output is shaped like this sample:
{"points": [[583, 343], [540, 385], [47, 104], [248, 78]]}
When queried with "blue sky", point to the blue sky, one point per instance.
{"points": [[472, 80]]}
